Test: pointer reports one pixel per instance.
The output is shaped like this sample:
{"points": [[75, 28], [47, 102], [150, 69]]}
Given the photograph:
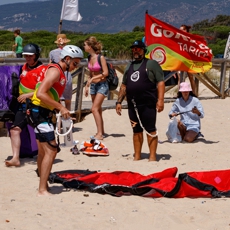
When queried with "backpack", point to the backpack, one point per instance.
{"points": [[112, 77]]}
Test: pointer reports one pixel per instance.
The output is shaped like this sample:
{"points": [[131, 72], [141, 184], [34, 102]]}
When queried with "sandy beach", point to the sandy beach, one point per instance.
{"points": [[21, 209]]}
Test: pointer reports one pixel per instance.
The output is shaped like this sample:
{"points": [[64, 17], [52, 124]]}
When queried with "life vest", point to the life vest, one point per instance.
{"points": [[30, 77], [55, 91]]}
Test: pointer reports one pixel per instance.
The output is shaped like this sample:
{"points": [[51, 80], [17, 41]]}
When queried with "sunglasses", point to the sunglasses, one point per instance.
{"points": [[138, 49], [75, 64]]}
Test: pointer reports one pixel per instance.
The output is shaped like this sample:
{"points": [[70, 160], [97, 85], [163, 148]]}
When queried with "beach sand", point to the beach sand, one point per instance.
{"points": [[21, 209]]}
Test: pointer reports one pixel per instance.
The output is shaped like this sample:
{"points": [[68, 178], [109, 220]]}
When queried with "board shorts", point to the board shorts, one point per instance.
{"points": [[45, 133], [41, 119], [20, 117], [147, 115]]}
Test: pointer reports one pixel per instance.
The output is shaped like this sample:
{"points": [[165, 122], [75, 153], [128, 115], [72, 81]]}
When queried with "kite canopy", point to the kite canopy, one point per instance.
{"points": [[161, 184]]}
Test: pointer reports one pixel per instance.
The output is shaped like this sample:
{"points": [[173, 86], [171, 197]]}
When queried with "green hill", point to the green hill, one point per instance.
{"points": [[215, 31]]}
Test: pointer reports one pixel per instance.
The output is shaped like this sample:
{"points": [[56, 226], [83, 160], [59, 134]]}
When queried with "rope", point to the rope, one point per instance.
{"points": [[135, 107], [57, 125]]}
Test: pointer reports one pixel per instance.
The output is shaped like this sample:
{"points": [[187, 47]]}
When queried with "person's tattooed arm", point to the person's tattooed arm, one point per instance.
{"points": [[121, 94]]}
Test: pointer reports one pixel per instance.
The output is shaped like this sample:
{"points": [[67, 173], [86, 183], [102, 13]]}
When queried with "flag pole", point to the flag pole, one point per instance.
{"points": [[60, 27], [69, 12]]}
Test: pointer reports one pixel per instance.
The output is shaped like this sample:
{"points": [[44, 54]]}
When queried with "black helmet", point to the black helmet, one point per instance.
{"points": [[31, 49], [138, 43]]}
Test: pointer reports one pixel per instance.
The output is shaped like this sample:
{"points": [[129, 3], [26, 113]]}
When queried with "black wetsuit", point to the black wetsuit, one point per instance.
{"points": [[143, 92]]}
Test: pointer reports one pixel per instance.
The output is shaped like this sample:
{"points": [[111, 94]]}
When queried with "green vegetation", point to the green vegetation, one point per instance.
{"points": [[215, 31], [116, 46]]}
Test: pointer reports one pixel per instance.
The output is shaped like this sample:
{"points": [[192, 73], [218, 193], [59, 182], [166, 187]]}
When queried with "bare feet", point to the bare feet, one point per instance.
{"points": [[98, 137], [137, 157], [12, 162], [44, 193], [152, 159]]}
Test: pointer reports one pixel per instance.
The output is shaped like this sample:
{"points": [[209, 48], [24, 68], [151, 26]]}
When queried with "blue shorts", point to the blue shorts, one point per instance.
{"points": [[100, 87]]}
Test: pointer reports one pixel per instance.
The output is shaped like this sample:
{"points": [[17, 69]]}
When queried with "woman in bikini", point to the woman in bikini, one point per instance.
{"points": [[97, 83]]}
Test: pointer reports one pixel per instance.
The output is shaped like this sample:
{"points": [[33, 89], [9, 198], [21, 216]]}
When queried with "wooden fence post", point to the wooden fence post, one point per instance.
{"points": [[222, 79], [79, 94]]}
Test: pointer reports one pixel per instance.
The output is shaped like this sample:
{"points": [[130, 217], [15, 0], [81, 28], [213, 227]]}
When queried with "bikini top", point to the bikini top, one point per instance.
{"points": [[94, 68]]}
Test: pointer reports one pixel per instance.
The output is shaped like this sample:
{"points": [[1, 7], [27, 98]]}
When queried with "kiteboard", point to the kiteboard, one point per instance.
{"points": [[94, 148]]}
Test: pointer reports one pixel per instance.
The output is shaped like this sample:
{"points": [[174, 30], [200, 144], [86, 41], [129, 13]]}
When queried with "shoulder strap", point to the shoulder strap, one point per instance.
{"points": [[20, 70], [55, 65], [99, 59]]}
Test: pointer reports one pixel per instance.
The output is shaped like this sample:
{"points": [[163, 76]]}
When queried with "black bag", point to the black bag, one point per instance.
{"points": [[112, 77]]}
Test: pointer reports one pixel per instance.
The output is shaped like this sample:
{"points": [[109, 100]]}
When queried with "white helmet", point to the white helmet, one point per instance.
{"points": [[71, 51]]}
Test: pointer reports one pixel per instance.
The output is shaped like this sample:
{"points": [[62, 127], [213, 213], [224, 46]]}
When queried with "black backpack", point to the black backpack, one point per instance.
{"points": [[112, 77]]}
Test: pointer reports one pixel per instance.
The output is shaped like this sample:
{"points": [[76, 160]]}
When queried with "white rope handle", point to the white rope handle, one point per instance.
{"points": [[57, 125]]}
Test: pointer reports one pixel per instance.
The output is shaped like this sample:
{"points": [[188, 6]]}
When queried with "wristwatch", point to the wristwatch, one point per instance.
{"points": [[118, 103]]}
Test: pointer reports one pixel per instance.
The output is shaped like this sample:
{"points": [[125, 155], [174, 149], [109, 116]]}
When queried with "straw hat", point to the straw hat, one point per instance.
{"points": [[185, 87], [61, 39]]}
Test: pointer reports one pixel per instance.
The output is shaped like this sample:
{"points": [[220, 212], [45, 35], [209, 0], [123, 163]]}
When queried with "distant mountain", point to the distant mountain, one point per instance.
{"points": [[108, 16]]}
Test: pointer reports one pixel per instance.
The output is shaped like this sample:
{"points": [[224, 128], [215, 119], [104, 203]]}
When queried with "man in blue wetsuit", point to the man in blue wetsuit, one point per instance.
{"points": [[143, 85]]}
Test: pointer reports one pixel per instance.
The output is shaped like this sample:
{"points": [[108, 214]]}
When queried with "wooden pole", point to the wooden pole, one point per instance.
{"points": [[222, 78], [60, 27], [79, 94]]}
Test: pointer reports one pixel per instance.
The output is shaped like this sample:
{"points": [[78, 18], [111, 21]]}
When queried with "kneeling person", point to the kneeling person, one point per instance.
{"points": [[190, 110]]}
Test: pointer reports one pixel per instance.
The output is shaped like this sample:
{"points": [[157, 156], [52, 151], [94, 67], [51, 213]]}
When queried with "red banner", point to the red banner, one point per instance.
{"points": [[174, 49]]}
